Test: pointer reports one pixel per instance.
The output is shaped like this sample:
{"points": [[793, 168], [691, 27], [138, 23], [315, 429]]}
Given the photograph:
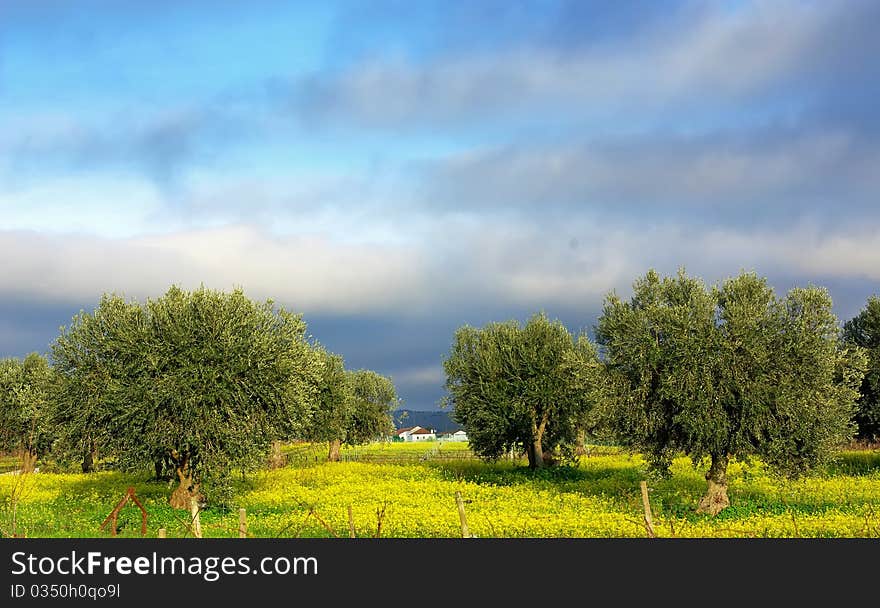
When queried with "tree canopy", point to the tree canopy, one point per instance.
{"points": [[353, 407], [864, 331], [514, 386], [330, 412], [203, 380], [373, 401], [727, 371], [25, 396]]}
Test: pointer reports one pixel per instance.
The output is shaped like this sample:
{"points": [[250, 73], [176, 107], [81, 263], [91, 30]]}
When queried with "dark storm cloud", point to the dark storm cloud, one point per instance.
{"points": [[31, 325]]}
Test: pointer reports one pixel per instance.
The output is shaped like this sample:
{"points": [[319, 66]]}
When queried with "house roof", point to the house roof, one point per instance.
{"points": [[452, 431], [405, 429], [421, 431]]}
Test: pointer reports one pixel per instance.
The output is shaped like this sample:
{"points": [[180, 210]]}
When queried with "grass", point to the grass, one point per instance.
{"points": [[9, 462], [412, 491]]}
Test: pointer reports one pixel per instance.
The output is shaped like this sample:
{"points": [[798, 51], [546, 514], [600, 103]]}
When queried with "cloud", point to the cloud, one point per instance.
{"points": [[427, 374], [307, 273], [488, 161], [725, 55], [110, 207], [451, 264], [768, 171], [162, 144]]}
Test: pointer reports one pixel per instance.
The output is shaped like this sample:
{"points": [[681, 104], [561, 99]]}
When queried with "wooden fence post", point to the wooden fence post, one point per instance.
{"points": [[649, 524], [196, 522], [161, 532], [114, 514], [465, 532], [350, 523], [242, 523]]}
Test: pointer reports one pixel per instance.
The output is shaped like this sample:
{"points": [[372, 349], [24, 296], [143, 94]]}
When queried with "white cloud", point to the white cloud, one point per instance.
{"points": [[309, 274], [456, 265], [112, 206]]}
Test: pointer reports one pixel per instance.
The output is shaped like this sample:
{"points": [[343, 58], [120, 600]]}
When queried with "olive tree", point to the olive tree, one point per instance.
{"points": [[514, 386], [331, 410], [374, 398], [352, 407], [201, 380], [25, 394], [864, 331], [727, 371]]}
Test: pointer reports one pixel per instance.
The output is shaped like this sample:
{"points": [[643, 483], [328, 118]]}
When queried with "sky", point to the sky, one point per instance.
{"points": [[396, 169]]}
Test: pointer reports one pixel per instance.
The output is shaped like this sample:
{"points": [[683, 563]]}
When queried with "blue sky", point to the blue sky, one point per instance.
{"points": [[396, 169]]}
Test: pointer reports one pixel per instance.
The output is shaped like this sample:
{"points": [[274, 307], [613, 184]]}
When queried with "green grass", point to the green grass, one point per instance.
{"points": [[598, 497], [9, 462]]}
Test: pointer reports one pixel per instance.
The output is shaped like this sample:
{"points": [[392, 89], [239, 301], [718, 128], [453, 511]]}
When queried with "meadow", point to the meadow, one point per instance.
{"points": [[408, 490]]}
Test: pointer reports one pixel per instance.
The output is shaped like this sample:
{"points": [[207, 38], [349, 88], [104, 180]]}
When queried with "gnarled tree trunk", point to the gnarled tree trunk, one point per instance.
{"points": [[536, 457], [28, 461], [716, 499], [335, 447], [90, 454], [186, 490], [581, 443], [536, 450], [276, 458]]}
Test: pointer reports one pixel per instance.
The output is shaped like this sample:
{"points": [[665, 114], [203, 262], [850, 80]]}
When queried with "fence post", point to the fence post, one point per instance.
{"points": [[196, 523], [649, 525], [350, 523], [161, 532], [242, 523], [465, 533]]}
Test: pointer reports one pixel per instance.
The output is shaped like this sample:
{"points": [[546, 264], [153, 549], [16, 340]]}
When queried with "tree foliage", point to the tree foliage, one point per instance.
{"points": [[727, 371], [331, 410], [516, 386], [203, 380], [373, 401], [864, 331], [353, 407], [25, 396]]}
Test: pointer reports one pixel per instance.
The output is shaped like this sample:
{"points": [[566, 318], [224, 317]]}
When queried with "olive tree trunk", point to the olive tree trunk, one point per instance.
{"points": [[335, 447], [276, 458], [716, 499], [186, 490], [28, 460], [90, 454], [536, 454], [536, 450], [581, 443]]}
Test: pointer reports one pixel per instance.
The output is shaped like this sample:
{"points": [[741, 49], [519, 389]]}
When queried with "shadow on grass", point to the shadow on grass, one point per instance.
{"points": [[855, 463], [752, 490], [82, 502]]}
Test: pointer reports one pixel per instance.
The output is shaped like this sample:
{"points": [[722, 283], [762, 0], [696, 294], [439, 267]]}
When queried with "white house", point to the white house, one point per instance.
{"points": [[456, 435], [415, 433], [422, 434], [404, 432]]}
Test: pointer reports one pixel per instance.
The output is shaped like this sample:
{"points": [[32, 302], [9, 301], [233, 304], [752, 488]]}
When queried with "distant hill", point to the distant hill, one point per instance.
{"points": [[440, 420]]}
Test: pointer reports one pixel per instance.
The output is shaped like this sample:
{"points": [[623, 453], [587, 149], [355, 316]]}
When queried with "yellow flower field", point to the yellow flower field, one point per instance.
{"points": [[414, 496]]}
